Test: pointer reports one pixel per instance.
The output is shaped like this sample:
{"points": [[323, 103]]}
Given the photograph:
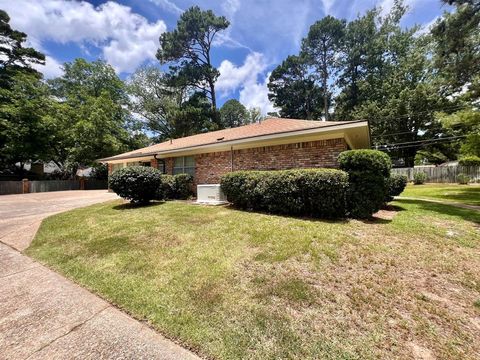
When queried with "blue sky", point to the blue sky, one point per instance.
{"points": [[125, 33]]}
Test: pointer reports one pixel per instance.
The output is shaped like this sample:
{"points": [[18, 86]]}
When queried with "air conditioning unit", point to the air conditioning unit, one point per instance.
{"points": [[210, 194]]}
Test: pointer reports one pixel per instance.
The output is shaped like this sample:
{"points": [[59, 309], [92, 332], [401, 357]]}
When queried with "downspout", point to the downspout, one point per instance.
{"points": [[231, 157]]}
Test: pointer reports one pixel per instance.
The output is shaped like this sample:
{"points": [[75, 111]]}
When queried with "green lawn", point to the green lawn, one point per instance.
{"points": [[466, 194], [238, 285]]}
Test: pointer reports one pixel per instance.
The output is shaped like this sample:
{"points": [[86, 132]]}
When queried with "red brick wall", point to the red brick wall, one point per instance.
{"points": [[322, 153]]}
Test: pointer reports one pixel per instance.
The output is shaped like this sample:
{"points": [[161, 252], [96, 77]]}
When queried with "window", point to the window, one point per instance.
{"points": [[115, 167], [184, 165], [161, 165], [139, 163]]}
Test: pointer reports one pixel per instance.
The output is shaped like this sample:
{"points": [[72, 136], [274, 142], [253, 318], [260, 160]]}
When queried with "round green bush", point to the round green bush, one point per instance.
{"points": [[138, 184], [368, 172], [396, 183], [463, 179], [365, 160], [469, 161], [311, 192], [419, 178]]}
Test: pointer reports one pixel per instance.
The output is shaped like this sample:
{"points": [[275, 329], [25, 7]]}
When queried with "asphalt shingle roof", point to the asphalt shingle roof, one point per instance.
{"points": [[268, 126]]}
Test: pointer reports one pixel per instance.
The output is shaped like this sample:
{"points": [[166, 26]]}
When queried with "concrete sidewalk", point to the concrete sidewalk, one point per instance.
{"points": [[45, 316]]}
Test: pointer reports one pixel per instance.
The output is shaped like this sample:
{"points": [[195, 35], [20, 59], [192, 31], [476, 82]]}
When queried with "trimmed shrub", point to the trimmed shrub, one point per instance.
{"points": [[183, 184], [166, 188], [469, 161], [311, 192], [463, 179], [396, 183], [176, 187], [138, 184], [368, 172], [419, 178]]}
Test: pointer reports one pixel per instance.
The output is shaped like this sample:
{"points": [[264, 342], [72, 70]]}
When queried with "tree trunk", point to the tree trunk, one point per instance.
{"points": [[325, 80], [215, 114]]}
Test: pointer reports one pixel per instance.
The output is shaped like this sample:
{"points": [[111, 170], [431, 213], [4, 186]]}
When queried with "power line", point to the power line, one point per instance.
{"points": [[399, 133], [420, 141], [388, 147]]}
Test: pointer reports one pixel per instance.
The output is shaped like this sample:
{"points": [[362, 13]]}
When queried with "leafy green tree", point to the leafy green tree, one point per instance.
{"points": [[193, 116], [154, 101], [91, 116], [464, 123], [321, 46], [23, 100], [293, 89], [233, 113], [456, 38], [25, 133], [188, 49], [14, 56], [357, 58], [255, 115], [167, 111], [83, 79]]}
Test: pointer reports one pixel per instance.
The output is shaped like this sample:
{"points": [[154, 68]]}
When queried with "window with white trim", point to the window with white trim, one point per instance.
{"points": [[184, 165]]}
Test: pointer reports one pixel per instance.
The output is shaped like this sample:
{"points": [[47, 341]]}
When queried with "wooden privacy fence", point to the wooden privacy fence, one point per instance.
{"points": [[26, 186], [441, 174]]}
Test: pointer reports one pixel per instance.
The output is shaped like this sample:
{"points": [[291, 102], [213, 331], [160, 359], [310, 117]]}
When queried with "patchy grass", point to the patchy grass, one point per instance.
{"points": [[232, 284], [466, 194]]}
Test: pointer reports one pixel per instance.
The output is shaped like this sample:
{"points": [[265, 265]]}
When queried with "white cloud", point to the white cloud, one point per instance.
{"points": [[328, 6], [125, 38], [51, 69], [245, 78], [168, 5], [256, 95], [232, 77]]}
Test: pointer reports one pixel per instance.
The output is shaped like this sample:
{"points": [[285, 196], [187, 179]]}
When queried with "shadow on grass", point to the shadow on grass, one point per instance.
{"points": [[287, 216], [465, 214], [130, 206]]}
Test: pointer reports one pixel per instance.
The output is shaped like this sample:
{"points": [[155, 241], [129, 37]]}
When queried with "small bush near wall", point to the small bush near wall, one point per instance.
{"points": [[176, 187], [396, 183], [312, 192], [463, 179], [469, 161], [368, 172], [419, 178], [138, 184]]}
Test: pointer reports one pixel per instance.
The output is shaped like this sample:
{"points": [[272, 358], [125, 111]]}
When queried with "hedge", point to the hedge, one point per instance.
{"points": [[311, 192], [469, 161], [368, 172], [138, 184]]}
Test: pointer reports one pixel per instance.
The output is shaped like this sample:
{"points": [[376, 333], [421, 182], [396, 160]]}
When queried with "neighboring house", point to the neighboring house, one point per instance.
{"points": [[272, 144], [40, 167]]}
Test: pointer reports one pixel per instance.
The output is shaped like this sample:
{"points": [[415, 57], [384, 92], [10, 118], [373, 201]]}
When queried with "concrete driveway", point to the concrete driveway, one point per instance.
{"points": [[45, 316], [21, 215]]}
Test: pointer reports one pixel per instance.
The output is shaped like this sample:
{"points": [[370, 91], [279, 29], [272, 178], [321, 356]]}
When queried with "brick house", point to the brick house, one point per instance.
{"points": [[272, 144]]}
